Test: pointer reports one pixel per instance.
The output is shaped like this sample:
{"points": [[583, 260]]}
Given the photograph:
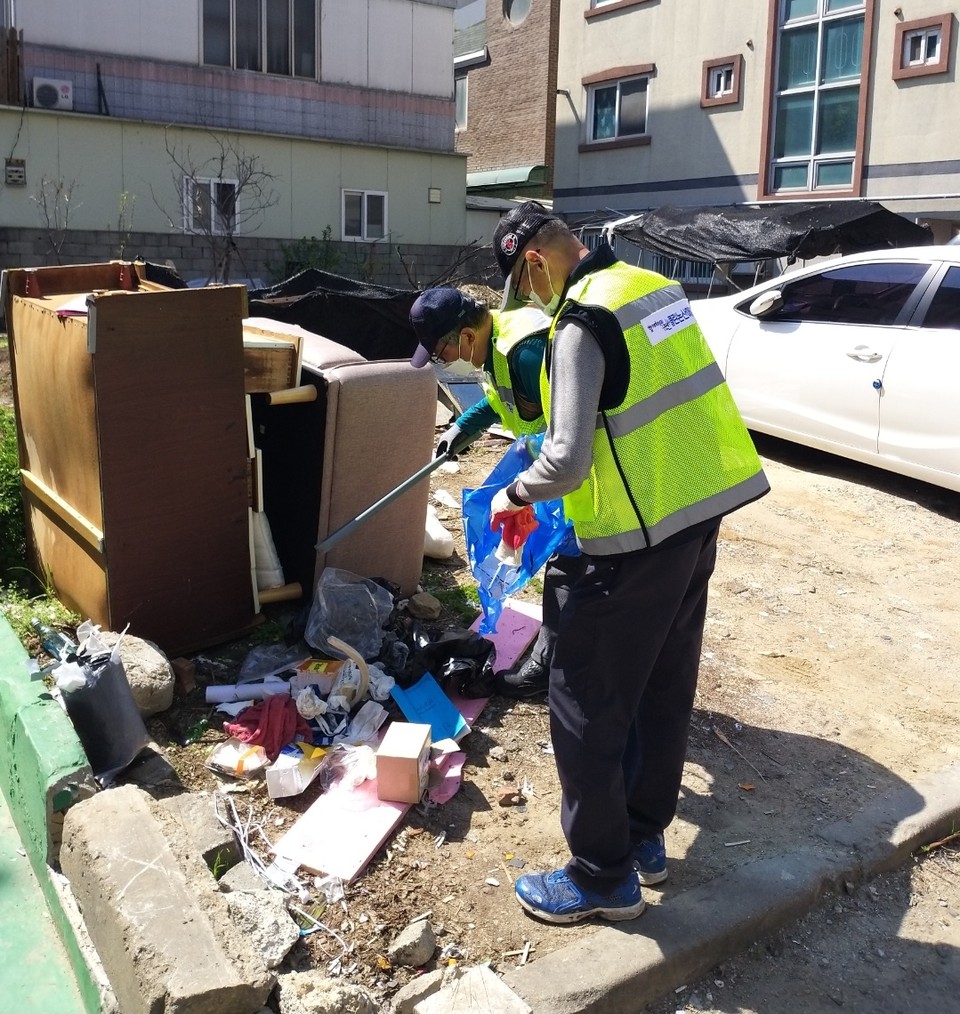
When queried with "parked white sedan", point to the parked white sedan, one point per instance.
{"points": [[859, 356]]}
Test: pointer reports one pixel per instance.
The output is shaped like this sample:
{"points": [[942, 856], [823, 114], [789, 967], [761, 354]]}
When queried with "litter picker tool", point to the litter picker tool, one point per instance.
{"points": [[458, 445]]}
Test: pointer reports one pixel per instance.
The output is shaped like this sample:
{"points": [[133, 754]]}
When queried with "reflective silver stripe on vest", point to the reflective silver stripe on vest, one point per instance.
{"points": [[630, 314], [678, 393], [724, 502], [505, 394]]}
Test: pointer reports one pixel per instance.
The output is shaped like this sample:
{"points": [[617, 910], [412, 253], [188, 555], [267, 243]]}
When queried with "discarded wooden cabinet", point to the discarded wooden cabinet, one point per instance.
{"points": [[133, 448]]}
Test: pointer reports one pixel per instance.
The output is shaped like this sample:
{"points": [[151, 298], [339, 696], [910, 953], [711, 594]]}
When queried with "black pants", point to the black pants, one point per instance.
{"points": [[622, 687], [559, 575]]}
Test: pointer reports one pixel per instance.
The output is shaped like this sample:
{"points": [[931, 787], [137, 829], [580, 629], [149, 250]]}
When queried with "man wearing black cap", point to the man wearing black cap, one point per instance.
{"points": [[457, 331], [648, 450]]}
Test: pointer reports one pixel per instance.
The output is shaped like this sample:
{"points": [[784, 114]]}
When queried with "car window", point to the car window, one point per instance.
{"points": [[944, 310], [854, 294]]}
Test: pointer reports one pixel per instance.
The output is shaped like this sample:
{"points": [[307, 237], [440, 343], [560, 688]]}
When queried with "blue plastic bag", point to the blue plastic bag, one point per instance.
{"points": [[553, 534]]}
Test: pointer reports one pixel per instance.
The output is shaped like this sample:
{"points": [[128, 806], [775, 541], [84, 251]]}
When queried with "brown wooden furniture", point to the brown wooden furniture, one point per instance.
{"points": [[133, 449]]}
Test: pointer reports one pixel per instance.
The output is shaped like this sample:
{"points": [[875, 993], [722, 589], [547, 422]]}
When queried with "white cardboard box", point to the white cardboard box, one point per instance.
{"points": [[403, 761]]}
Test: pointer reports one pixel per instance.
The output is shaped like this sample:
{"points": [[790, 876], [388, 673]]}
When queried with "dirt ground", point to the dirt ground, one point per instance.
{"points": [[828, 679]]}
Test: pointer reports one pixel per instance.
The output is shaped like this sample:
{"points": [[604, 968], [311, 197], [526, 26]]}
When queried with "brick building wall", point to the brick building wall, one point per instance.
{"points": [[511, 100]]}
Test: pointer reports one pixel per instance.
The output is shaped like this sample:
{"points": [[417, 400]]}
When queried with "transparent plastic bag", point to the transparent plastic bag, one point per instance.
{"points": [[497, 579], [349, 608]]}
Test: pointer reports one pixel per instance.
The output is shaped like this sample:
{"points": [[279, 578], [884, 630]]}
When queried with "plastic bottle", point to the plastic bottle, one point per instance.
{"points": [[54, 643]]}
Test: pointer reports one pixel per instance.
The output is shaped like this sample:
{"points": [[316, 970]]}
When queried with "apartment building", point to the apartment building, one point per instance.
{"points": [[150, 128], [505, 79], [705, 102]]}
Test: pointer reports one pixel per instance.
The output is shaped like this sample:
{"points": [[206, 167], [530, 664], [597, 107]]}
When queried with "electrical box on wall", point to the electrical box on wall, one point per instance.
{"points": [[51, 94], [15, 172]]}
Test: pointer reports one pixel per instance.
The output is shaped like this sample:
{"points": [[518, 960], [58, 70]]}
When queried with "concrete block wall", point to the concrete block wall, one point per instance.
{"points": [[402, 266]]}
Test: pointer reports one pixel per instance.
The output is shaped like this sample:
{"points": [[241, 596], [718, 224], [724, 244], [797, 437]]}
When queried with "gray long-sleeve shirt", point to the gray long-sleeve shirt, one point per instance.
{"points": [[576, 378]]}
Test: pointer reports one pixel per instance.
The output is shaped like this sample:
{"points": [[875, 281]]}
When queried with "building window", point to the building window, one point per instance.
{"points": [[516, 11], [922, 47], [817, 95], [617, 109], [460, 97], [364, 214], [275, 36], [721, 81], [209, 206]]}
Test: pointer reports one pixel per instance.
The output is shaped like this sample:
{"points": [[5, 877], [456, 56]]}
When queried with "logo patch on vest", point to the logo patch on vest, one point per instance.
{"points": [[667, 321]]}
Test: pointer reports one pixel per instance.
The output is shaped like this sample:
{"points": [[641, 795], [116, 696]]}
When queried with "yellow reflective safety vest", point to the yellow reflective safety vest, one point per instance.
{"points": [[674, 452], [510, 328]]}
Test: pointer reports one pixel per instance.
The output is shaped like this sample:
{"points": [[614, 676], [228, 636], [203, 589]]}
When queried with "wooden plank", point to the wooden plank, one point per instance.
{"points": [[56, 406], [59, 278], [60, 509]]}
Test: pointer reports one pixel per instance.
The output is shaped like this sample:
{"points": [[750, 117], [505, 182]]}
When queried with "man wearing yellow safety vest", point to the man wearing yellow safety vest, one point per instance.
{"points": [[463, 336], [648, 450]]}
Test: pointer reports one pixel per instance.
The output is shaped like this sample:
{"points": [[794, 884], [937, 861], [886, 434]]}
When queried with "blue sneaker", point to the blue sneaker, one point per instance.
{"points": [[650, 860], [556, 898]]}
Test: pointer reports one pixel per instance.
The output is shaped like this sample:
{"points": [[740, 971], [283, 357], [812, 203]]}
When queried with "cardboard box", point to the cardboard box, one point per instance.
{"points": [[403, 761]]}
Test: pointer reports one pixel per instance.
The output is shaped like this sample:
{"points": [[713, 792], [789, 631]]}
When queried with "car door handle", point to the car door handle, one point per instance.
{"points": [[864, 354]]}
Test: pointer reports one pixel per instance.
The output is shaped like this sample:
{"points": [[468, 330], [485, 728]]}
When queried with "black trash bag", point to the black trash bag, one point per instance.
{"points": [[460, 660], [105, 715]]}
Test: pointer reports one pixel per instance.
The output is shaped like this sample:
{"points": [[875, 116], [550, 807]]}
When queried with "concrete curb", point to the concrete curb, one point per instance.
{"points": [[622, 967], [43, 771]]}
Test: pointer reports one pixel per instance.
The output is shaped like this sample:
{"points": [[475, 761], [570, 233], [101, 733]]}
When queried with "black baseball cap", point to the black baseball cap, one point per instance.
{"points": [[435, 314], [515, 230]]}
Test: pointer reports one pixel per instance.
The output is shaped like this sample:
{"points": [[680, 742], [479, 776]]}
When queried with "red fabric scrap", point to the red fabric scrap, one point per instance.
{"points": [[271, 723], [517, 525]]}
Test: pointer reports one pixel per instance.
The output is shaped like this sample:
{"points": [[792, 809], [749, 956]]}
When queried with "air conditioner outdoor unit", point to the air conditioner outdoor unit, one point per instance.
{"points": [[51, 94]]}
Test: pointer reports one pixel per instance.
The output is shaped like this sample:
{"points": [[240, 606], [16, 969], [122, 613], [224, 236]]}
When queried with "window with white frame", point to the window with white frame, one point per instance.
{"points": [[617, 109], [721, 81], [819, 53], [922, 47], [209, 206], [460, 97], [274, 36], [364, 214]]}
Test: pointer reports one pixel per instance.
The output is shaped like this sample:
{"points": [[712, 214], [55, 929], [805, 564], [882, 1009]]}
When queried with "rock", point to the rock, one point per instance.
{"points": [[408, 996], [511, 797], [474, 990], [424, 606], [263, 919], [498, 753], [312, 992], [414, 945], [148, 671], [240, 878]]}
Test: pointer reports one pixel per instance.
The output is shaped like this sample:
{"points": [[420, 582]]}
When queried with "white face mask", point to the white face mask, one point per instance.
{"points": [[553, 305], [460, 367]]}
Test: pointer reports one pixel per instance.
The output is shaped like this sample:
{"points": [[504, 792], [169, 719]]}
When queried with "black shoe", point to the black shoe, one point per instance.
{"points": [[526, 680]]}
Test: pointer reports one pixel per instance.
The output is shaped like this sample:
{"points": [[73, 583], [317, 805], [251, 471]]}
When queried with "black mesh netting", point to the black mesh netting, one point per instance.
{"points": [[795, 231], [370, 319]]}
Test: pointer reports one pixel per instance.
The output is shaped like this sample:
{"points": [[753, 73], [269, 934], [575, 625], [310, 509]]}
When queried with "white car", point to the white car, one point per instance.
{"points": [[859, 356]]}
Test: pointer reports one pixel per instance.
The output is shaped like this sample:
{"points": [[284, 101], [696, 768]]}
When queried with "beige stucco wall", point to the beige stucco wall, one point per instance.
{"points": [[107, 157], [911, 145]]}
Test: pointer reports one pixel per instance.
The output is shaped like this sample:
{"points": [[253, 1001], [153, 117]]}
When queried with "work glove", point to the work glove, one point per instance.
{"points": [[453, 441]]}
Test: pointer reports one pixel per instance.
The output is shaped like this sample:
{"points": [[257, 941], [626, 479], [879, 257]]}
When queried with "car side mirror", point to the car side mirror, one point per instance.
{"points": [[766, 303]]}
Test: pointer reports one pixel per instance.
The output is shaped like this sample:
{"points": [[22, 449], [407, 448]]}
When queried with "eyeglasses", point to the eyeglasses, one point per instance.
{"points": [[437, 357], [517, 294]]}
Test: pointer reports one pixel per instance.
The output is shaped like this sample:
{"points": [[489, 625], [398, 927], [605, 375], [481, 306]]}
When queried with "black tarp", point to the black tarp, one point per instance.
{"points": [[796, 231], [373, 320]]}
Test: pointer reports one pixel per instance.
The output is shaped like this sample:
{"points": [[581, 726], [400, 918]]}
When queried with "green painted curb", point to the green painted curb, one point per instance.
{"points": [[43, 771]]}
